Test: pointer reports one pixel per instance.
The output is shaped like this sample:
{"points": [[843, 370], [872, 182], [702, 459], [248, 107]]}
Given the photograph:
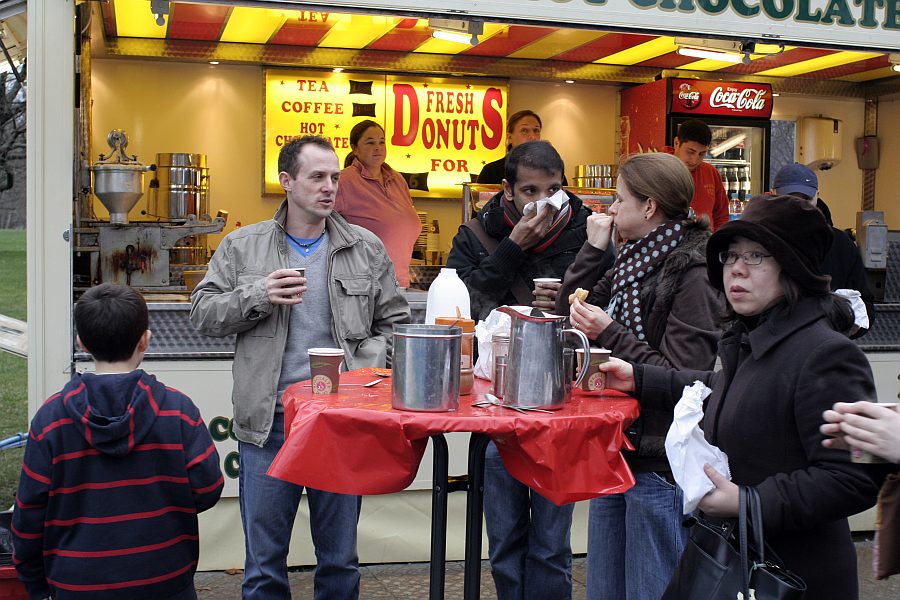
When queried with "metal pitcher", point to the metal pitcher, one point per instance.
{"points": [[535, 375]]}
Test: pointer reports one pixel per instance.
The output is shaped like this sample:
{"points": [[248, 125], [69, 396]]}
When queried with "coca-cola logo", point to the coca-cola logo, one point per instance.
{"points": [[688, 95], [746, 99]]}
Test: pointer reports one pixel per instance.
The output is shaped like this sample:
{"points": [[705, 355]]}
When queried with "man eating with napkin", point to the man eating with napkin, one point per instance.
{"points": [[533, 228]]}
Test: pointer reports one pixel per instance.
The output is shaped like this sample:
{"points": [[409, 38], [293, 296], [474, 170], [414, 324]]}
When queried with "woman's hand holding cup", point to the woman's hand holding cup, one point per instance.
{"points": [[619, 374], [864, 427]]}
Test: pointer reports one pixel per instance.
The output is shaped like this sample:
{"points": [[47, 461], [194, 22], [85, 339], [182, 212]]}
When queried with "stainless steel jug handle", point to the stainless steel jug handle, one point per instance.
{"points": [[586, 345]]}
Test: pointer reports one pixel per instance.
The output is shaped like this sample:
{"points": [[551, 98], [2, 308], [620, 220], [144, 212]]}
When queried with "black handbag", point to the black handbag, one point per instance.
{"points": [[721, 563]]}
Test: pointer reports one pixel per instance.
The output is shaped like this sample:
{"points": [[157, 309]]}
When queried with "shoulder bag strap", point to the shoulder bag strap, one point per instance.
{"points": [[756, 524], [744, 492], [519, 288]]}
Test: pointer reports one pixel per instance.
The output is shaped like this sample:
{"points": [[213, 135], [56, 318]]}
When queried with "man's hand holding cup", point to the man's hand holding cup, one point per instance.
{"points": [[286, 286]]}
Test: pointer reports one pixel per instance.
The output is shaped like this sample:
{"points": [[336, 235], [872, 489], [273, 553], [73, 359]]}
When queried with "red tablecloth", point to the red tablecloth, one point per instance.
{"points": [[353, 442]]}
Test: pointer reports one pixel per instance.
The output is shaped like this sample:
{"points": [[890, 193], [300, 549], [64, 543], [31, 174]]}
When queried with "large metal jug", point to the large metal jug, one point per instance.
{"points": [[534, 371]]}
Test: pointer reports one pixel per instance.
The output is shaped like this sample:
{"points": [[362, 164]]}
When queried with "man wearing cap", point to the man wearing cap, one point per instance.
{"points": [[691, 144], [842, 262]]}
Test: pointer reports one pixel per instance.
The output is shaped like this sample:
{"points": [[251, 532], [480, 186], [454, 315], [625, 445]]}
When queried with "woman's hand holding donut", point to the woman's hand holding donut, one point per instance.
{"points": [[590, 319]]}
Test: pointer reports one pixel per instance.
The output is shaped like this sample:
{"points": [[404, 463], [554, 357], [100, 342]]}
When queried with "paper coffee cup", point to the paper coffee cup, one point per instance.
{"points": [[858, 455], [594, 380], [540, 281], [325, 369]]}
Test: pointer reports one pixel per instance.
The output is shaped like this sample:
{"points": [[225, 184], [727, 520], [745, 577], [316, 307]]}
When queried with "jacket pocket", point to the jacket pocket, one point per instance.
{"points": [[265, 327], [355, 307]]}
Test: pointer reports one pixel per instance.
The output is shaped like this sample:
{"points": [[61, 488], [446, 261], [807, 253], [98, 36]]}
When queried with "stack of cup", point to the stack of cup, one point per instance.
{"points": [[499, 358], [325, 369]]}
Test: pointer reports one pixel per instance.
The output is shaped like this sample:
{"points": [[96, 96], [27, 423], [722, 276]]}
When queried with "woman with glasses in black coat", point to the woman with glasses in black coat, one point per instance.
{"points": [[785, 360]]}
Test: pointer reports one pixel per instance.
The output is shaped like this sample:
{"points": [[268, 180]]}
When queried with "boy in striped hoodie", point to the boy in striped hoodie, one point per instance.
{"points": [[116, 468]]}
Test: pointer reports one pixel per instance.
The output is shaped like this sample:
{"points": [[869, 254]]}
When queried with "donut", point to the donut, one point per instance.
{"points": [[579, 293]]}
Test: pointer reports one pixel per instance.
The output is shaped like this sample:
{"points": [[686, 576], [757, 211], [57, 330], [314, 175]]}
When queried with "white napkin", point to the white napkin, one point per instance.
{"points": [[687, 449], [860, 315], [556, 201]]}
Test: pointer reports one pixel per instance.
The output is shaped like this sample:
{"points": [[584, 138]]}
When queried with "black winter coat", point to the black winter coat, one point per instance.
{"points": [[764, 413], [490, 278]]}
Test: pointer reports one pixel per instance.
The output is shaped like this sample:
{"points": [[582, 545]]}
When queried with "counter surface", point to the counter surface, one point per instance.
{"points": [[175, 337]]}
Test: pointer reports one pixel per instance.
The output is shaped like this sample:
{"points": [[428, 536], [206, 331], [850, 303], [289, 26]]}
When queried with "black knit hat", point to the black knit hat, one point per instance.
{"points": [[795, 233]]}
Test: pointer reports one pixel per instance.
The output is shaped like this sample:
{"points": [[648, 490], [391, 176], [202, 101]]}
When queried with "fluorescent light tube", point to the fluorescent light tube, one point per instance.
{"points": [[710, 54], [452, 36]]}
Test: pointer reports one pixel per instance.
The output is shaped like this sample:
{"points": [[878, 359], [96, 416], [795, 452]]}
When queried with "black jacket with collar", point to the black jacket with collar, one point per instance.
{"points": [[764, 412]]}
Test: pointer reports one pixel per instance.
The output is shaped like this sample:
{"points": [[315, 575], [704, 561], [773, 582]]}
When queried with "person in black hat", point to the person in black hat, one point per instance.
{"points": [[785, 360], [842, 261]]}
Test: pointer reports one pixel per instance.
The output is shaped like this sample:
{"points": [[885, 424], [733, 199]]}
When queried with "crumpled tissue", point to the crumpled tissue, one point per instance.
{"points": [[556, 201], [860, 315], [496, 322], [687, 449]]}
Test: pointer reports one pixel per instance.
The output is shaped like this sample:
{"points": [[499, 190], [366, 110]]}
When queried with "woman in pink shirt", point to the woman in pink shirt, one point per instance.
{"points": [[375, 196]]}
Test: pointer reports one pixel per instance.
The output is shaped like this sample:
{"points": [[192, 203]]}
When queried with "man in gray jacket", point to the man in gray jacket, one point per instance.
{"points": [[348, 298]]}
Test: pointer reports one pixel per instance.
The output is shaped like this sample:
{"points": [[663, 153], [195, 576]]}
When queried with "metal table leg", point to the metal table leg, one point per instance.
{"points": [[438, 517], [474, 514]]}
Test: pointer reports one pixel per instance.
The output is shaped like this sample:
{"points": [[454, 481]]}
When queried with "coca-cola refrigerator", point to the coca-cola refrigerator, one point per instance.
{"points": [[738, 114]]}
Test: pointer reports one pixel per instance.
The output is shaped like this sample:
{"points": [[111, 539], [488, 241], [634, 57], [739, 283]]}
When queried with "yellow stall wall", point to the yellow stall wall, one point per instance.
{"points": [[840, 187], [217, 111]]}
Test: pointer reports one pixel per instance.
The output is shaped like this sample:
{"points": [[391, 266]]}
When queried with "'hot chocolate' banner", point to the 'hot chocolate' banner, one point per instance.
{"points": [[440, 132]]}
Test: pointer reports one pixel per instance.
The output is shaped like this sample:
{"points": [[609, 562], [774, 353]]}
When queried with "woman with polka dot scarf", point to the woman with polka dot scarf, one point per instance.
{"points": [[650, 302]]}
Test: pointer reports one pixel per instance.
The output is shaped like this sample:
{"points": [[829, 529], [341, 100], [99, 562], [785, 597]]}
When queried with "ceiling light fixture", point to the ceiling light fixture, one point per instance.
{"points": [[159, 8], [723, 50], [338, 70], [213, 62], [456, 30], [894, 59], [570, 81]]}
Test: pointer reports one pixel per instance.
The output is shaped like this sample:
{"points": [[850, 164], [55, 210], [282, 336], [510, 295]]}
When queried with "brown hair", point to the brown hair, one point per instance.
{"points": [[287, 158], [514, 119], [662, 177], [355, 134]]}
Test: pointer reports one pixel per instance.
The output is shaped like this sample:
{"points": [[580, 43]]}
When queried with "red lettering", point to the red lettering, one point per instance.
{"points": [[443, 133], [399, 137], [428, 133], [492, 119], [329, 108], [472, 126], [311, 128], [450, 165]]}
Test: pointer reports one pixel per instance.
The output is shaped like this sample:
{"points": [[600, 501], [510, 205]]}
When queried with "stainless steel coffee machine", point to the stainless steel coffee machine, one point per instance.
{"points": [[148, 255]]}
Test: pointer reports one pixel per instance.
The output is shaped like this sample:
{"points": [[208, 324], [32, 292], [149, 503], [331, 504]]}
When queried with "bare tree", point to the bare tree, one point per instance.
{"points": [[12, 123]]}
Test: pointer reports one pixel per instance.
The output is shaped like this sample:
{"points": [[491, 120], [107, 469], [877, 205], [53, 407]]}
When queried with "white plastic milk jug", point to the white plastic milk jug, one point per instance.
{"points": [[447, 292]]}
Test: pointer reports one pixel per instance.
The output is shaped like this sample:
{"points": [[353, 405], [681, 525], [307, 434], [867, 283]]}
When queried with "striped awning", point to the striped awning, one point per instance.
{"points": [[409, 37]]}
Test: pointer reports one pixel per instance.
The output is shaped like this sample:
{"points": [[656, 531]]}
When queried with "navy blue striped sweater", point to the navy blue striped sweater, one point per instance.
{"points": [[116, 469]]}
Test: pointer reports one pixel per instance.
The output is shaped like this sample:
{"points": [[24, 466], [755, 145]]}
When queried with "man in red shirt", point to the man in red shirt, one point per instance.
{"points": [[691, 144]]}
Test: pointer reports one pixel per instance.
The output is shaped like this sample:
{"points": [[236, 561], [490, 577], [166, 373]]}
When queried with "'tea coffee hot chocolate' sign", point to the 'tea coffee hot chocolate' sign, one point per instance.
{"points": [[439, 131]]}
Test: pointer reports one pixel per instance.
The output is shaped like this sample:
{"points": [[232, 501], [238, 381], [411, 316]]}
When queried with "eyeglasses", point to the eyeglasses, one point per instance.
{"points": [[750, 258]]}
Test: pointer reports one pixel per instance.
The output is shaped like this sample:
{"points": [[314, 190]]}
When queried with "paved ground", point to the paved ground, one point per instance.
{"points": [[410, 581]]}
